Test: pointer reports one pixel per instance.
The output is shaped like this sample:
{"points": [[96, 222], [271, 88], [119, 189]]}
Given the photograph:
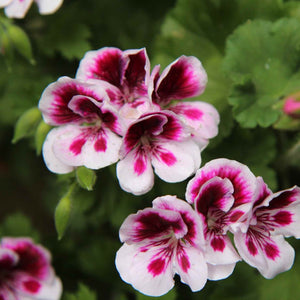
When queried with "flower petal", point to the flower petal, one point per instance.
{"points": [[242, 179], [48, 7], [182, 79], [147, 271], [31, 287], [8, 259], [69, 142], [5, 2], [217, 272], [284, 209], [191, 267], [137, 72], [152, 224], [270, 255], [220, 251], [176, 161], [135, 173], [194, 235], [217, 193], [7, 294], [33, 259], [56, 97], [103, 64], [18, 9], [103, 150], [202, 117], [53, 163]]}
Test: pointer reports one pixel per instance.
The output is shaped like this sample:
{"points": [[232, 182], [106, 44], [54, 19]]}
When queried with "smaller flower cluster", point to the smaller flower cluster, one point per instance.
{"points": [[26, 272], [116, 109], [193, 241], [18, 8]]}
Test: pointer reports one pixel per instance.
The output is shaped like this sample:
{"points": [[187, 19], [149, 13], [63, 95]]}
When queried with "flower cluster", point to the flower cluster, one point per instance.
{"points": [[19, 8], [193, 241], [26, 272], [117, 110]]}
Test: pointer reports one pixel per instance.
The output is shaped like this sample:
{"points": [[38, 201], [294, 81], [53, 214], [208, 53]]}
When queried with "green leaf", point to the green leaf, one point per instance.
{"points": [[40, 135], [263, 60], [83, 293], [26, 124], [69, 39], [86, 178], [20, 41], [63, 212]]}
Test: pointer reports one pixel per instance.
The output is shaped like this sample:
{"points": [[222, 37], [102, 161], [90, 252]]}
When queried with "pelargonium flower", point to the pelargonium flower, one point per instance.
{"points": [[88, 128], [19, 8], [185, 78], [223, 192], [202, 119], [274, 217], [160, 140], [160, 242], [26, 272], [125, 75]]}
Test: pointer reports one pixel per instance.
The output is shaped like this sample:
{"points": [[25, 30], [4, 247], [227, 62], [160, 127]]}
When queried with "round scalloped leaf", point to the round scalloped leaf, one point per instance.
{"points": [[263, 60]]}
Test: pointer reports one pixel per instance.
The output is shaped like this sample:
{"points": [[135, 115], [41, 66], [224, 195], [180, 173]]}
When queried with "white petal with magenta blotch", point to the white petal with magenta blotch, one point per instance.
{"points": [[183, 78], [147, 271], [220, 251], [270, 256], [135, 173], [28, 286], [102, 151], [176, 161], [68, 145], [191, 266]]}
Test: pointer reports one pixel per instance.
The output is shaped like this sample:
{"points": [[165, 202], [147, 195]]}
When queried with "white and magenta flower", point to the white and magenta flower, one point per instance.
{"points": [[160, 140], [160, 242], [274, 217], [202, 119], [88, 126], [26, 272], [222, 192], [18, 8], [184, 78], [125, 75]]}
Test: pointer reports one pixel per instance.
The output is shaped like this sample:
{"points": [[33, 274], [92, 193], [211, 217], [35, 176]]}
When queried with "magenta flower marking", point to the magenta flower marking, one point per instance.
{"points": [[274, 217], [124, 75], [19, 8], [202, 118], [223, 192], [159, 139], [89, 127], [182, 79], [159, 242], [26, 271]]}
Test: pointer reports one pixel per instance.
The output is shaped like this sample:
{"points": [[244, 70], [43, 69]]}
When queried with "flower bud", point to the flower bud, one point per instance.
{"points": [[291, 106]]}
